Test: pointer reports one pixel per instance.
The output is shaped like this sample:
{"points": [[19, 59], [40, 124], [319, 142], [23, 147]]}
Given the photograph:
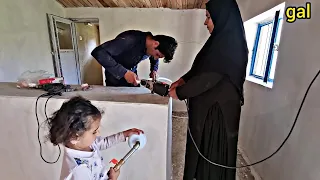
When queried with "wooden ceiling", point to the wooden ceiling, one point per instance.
{"points": [[172, 4]]}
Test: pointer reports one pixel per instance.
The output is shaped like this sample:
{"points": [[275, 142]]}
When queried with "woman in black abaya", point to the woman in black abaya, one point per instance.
{"points": [[213, 87]]}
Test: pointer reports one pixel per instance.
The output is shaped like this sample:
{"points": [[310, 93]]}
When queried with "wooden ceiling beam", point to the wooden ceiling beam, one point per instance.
{"points": [[83, 4], [74, 2], [137, 4], [99, 4], [180, 4], [110, 3], [203, 4], [62, 3], [86, 3], [141, 3], [77, 3], [166, 4], [190, 4], [195, 2], [184, 4], [153, 3], [120, 3], [172, 4], [159, 3], [94, 3], [147, 3], [69, 4], [103, 3], [132, 3]]}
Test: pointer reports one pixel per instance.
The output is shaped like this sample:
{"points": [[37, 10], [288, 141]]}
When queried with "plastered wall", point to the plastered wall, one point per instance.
{"points": [[268, 114], [24, 39], [21, 151], [184, 25]]}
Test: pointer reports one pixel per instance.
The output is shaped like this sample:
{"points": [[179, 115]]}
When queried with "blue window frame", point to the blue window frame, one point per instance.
{"points": [[263, 49]]}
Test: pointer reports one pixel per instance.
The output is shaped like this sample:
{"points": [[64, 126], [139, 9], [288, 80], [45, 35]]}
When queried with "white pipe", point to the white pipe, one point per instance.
{"points": [[159, 79], [166, 79]]}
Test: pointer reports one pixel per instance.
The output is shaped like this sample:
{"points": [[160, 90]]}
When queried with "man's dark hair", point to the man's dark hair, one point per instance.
{"points": [[167, 46], [72, 119]]}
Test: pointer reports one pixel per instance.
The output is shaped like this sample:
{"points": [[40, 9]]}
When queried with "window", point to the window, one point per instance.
{"points": [[263, 36], [262, 57]]}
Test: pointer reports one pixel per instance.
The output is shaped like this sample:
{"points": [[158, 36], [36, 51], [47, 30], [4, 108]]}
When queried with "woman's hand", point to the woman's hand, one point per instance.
{"points": [[130, 132], [113, 175], [176, 84], [172, 89], [173, 93]]}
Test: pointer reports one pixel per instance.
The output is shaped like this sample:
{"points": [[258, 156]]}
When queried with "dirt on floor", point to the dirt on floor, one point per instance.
{"points": [[243, 173], [179, 134]]}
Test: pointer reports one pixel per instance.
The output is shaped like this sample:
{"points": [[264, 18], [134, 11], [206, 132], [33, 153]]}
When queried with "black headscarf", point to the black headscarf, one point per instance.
{"points": [[225, 51]]}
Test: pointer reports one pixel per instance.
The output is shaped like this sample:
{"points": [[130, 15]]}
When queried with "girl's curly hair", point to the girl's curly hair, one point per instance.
{"points": [[71, 120]]}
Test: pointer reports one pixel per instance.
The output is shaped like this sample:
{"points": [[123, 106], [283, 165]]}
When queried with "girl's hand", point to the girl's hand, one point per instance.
{"points": [[130, 132], [113, 175]]}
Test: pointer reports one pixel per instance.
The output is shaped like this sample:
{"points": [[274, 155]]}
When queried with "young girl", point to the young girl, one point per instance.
{"points": [[76, 126]]}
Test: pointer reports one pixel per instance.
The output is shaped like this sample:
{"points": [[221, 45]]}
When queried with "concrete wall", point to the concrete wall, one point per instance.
{"points": [[268, 114], [21, 153], [88, 39], [185, 25], [24, 38]]}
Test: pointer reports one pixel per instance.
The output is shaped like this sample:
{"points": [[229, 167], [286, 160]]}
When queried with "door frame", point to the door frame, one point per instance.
{"points": [[55, 47], [94, 21]]}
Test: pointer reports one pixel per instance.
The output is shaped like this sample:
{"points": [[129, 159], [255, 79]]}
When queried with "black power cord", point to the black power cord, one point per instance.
{"points": [[50, 94], [285, 140]]}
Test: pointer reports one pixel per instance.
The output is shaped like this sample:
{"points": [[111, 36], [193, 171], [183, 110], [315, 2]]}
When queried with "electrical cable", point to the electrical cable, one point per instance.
{"points": [[285, 140], [45, 112]]}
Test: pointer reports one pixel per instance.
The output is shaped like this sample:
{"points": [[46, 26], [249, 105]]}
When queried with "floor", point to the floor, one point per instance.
{"points": [[179, 133]]}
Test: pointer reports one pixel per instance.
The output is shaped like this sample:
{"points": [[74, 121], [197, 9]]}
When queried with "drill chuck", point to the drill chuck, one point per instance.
{"points": [[157, 87]]}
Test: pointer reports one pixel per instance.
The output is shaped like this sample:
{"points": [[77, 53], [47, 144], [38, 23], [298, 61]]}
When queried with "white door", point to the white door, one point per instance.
{"points": [[64, 49]]}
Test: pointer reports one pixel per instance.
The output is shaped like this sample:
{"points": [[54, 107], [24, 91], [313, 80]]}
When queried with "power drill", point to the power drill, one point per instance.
{"points": [[155, 86]]}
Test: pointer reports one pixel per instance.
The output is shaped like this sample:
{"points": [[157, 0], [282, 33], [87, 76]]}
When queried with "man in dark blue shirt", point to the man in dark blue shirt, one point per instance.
{"points": [[121, 55]]}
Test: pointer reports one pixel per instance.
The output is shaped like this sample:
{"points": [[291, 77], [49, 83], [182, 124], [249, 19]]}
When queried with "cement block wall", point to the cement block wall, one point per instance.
{"points": [[24, 37], [268, 114]]}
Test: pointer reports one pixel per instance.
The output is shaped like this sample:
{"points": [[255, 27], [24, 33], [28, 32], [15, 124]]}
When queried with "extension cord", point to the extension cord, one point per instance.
{"points": [[258, 162], [50, 94]]}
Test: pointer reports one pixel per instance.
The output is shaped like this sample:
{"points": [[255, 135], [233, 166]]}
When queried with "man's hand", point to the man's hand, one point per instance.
{"points": [[173, 93], [113, 175], [131, 77], [176, 84], [153, 75], [130, 132]]}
